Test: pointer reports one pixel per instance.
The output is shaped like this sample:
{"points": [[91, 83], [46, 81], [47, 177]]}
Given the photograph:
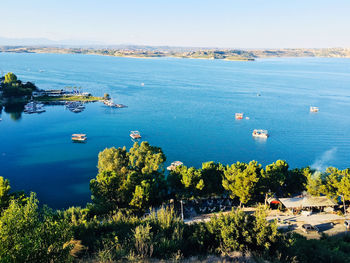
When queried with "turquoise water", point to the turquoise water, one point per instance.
{"points": [[186, 106]]}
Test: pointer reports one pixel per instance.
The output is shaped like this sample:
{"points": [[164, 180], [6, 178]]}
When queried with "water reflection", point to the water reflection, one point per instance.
{"points": [[15, 110]]}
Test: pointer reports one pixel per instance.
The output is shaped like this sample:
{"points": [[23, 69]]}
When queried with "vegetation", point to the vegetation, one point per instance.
{"points": [[28, 235], [129, 179], [333, 183], [106, 96], [68, 98], [115, 227], [12, 87], [202, 53], [14, 94], [241, 179]]}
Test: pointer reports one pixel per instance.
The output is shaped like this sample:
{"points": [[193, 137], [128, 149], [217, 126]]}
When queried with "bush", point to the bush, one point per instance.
{"points": [[143, 241]]}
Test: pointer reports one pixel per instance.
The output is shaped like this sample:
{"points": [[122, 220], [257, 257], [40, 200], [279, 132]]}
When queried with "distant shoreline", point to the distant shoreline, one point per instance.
{"points": [[212, 54], [121, 56]]}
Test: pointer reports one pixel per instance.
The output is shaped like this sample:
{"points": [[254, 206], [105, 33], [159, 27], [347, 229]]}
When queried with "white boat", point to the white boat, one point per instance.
{"points": [[314, 109], [40, 110], [260, 133], [33, 107], [80, 137], [239, 116], [109, 103], [135, 135], [77, 110], [173, 165]]}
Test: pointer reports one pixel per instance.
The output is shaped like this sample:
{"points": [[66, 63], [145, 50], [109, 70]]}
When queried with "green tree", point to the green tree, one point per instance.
{"points": [[212, 175], [266, 233], [110, 191], [344, 186], [232, 231], [113, 160], [30, 85], [238, 231], [190, 182], [30, 236], [146, 158], [330, 183], [295, 181], [133, 178], [4, 193], [10, 78], [314, 182], [12, 87], [274, 177], [240, 180], [186, 182], [141, 195]]}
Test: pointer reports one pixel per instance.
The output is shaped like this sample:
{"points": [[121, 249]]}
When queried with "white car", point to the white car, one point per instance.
{"points": [[347, 224], [306, 213]]}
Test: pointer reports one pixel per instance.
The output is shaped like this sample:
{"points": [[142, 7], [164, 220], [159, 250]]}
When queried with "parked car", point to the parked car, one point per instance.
{"points": [[306, 213], [309, 228], [347, 224]]}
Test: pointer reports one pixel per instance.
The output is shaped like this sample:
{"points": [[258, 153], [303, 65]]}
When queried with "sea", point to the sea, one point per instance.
{"points": [[184, 106]]}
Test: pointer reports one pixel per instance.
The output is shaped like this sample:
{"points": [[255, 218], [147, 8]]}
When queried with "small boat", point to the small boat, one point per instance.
{"points": [[108, 103], [33, 107], [40, 111], [247, 118], [77, 110], [111, 104], [239, 116], [314, 109], [79, 137], [135, 135], [120, 106], [173, 165], [260, 133], [142, 84]]}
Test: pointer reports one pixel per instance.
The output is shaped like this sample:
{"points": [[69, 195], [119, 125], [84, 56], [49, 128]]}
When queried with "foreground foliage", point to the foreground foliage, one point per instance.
{"points": [[115, 226], [30, 235]]}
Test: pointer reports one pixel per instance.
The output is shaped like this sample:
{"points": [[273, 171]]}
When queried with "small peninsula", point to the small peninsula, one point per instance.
{"points": [[13, 90]]}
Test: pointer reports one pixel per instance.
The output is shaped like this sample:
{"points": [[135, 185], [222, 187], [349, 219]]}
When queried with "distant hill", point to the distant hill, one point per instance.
{"points": [[19, 46]]}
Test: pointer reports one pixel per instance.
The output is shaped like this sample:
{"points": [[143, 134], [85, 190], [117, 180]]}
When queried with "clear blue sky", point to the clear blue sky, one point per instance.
{"points": [[221, 23]]}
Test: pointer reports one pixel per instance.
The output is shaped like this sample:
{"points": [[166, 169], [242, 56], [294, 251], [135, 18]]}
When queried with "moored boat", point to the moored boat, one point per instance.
{"points": [[80, 137], [33, 107], [173, 165], [239, 116], [135, 135], [260, 133], [314, 109]]}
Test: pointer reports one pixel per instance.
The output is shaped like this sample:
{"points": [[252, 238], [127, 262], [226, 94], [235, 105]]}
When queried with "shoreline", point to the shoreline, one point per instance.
{"points": [[172, 56], [125, 56]]}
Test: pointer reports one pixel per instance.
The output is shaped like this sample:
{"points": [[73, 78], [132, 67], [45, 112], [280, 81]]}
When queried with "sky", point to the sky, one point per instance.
{"points": [[193, 23]]}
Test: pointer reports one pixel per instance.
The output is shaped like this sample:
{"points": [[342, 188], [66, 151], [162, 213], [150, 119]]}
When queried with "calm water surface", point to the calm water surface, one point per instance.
{"points": [[185, 106]]}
